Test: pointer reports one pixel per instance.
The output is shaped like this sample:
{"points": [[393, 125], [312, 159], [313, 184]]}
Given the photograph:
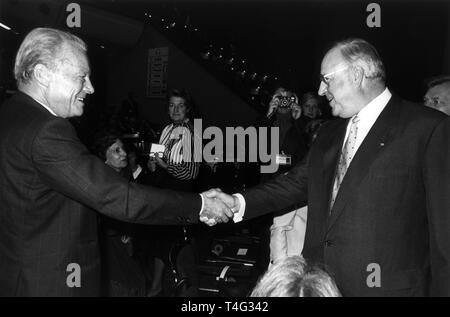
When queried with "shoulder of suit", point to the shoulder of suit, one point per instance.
{"points": [[332, 124], [25, 106], [418, 112]]}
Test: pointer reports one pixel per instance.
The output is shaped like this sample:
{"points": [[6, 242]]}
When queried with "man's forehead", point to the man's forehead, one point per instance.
{"points": [[75, 57], [331, 60]]}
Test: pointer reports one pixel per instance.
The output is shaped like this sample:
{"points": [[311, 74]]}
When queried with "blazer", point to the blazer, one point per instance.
{"points": [[49, 186], [388, 231]]}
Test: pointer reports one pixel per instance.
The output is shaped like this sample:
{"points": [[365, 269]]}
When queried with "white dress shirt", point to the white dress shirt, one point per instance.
{"points": [[367, 117]]}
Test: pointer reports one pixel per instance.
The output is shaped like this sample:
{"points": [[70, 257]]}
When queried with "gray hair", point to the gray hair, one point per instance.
{"points": [[359, 52], [293, 277], [438, 80], [42, 46]]}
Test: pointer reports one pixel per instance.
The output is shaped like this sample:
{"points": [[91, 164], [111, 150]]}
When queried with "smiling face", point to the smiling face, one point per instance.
{"points": [[337, 85], [177, 109], [69, 83], [116, 157]]}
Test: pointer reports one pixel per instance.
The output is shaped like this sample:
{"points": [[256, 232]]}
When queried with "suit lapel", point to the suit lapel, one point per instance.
{"points": [[381, 133], [330, 159]]}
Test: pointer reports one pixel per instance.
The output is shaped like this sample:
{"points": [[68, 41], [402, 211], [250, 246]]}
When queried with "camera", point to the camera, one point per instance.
{"points": [[285, 101]]}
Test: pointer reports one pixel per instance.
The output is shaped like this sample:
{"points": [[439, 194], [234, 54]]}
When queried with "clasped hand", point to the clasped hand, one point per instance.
{"points": [[218, 207]]}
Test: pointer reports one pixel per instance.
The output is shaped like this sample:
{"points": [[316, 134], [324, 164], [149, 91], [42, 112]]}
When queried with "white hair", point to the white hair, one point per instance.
{"points": [[42, 46]]}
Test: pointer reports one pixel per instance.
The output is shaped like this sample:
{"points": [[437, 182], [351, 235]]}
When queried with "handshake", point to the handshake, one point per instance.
{"points": [[218, 207]]}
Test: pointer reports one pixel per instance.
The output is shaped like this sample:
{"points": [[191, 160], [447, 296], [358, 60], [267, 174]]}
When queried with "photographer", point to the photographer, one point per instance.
{"points": [[173, 246], [284, 113]]}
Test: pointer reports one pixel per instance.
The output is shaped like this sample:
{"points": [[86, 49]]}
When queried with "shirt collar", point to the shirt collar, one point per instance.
{"points": [[374, 108], [46, 107]]}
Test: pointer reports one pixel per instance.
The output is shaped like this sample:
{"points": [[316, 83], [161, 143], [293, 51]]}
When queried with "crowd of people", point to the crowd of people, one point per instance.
{"points": [[365, 189]]}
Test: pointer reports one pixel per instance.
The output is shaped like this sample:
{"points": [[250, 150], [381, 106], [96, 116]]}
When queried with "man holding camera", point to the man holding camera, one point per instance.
{"points": [[283, 113]]}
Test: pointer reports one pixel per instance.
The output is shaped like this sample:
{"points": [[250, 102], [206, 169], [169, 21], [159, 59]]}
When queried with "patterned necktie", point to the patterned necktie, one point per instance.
{"points": [[346, 157]]}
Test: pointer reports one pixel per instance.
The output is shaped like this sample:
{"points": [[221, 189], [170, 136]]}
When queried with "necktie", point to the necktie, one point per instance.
{"points": [[346, 157]]}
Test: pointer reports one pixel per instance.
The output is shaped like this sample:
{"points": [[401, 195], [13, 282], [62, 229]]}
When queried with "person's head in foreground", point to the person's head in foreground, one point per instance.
{"points": [[293, 277]]}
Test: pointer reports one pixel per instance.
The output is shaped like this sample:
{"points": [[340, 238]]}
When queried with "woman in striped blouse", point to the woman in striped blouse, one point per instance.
{"points": [[177, 170], [177, 137]]}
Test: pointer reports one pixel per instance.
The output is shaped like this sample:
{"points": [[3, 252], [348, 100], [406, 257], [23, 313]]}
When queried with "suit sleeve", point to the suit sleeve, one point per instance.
{"points": [[67, 167], [437, 181], [286, 190]]}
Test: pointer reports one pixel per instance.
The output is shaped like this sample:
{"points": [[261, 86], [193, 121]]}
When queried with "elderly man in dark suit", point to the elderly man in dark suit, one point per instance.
{"points": [[376, 182], [49, 181]]}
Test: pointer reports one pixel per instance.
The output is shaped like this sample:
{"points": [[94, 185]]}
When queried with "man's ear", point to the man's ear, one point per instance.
{"points": [[42, 74], [358, 75]]}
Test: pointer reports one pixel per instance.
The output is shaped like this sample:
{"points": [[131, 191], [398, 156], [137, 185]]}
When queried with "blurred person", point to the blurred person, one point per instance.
{"points": [[50, 183], [173, 171], [376, 183], [438, 94], [312, 117], [284, 113], [293, 277], [310, 103], [122, 273]]}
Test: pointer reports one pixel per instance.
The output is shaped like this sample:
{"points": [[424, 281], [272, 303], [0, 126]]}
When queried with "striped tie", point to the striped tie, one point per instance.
{"points": [[346, 157]]}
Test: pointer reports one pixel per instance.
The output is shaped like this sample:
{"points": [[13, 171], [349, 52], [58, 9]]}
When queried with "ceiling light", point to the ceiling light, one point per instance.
{"points": [[5, 26]]}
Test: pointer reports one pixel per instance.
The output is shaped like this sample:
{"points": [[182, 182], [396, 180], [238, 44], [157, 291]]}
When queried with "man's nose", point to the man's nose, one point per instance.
{"points": [[88, 87], [322, 89]]}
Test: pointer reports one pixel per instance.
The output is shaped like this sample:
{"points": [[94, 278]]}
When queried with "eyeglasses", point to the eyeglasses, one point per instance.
{"points": [[327, 77]]}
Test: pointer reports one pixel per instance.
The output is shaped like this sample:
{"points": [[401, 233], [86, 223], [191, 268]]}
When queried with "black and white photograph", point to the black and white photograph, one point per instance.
{"points": [[213, 155]]}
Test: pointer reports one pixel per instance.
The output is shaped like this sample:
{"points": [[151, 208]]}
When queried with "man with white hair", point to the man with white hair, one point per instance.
{"points": [[50, 184], [438, 94], [376, 183]]}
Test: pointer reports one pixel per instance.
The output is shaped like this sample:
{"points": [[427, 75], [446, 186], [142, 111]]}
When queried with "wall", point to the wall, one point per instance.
{"points": [[216, 104], [446, 61]]}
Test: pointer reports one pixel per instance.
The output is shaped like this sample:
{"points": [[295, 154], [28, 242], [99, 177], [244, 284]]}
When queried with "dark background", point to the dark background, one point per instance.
{"points": [[288, 38], [283, 39]]}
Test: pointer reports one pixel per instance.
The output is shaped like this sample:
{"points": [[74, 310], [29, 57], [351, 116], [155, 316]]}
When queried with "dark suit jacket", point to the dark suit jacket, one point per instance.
{"points": [[48, 184], [392, 209]]}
